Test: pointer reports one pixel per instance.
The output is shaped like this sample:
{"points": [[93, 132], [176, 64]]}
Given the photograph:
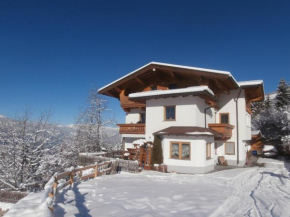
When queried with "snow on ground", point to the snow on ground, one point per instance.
{"points": [[5, 206], [237, 192]]}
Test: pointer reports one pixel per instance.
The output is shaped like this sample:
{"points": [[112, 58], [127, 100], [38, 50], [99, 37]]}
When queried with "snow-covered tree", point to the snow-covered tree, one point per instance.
{"points": [[24, 144], [273, 121], [283, 94], [92, 122]]}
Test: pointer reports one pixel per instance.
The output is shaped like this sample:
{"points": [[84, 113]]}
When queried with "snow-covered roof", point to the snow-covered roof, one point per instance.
{"points": [[250, 83], [171, 92], [171, 65], [255, 132], [141, 142], [94, 153], [199, 133], [189, 131]]}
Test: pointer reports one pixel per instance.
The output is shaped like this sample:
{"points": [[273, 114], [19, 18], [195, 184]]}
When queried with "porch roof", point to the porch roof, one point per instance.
{"points": [[188, 131]]}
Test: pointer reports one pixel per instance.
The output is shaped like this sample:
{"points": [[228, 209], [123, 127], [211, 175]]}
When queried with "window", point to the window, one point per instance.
{"points": [[180, 150], [230, 148], [154, 87], [208, 150], [224, 118], [169, 113], [172, 86], [142, 118]]}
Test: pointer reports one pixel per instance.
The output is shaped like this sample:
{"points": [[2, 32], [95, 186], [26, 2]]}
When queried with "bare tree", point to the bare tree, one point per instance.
{"points": [[92, 122]]}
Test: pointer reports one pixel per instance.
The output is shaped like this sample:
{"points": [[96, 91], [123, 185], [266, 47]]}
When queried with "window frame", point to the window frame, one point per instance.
{"points": [[208, 154], [180, 150], [226, 148], [228, 114], [164, 118], [140, 118]]}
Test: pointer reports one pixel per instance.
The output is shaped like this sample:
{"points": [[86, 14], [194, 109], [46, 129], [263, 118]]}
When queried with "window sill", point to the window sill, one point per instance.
{"points": [[209, 158], [179, 159], [170, 120]]}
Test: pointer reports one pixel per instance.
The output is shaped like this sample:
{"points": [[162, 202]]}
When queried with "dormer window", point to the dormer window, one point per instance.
{"points": [[172, 86], [224, 118]]}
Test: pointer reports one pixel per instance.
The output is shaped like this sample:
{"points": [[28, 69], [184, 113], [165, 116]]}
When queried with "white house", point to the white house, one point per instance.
{"points": [[198, 113]]}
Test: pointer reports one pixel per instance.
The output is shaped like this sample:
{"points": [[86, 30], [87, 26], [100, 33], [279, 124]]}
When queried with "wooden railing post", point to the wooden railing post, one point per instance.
{"points": [[96, 170], [71, 178]]}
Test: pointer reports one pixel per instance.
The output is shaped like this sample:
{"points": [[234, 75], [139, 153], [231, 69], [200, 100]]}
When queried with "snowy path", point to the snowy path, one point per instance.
{"points": [[258, 192], [240, 192]]}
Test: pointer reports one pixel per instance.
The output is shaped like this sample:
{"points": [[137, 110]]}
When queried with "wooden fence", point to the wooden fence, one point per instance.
{"points": [[11, 196], [67, 178], [126, 165]]}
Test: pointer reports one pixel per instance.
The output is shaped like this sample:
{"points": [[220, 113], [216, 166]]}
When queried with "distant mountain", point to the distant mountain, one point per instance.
{"points": [[63, 131]]}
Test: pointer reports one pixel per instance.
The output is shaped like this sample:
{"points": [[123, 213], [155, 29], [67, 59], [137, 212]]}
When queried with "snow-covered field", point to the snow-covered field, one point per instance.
{"points": [[238, 192]]}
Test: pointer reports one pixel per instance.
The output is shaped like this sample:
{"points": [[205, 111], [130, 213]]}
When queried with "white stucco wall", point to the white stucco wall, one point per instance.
{"points": [[189, 112], [228, 105], [133, 116]]}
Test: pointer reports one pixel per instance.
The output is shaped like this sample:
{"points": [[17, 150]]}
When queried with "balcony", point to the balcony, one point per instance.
{"points": [[224, 129], [132, 128]]}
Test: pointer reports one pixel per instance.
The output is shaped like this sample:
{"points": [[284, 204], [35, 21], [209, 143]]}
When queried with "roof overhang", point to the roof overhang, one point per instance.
{"points": [[202, 91], [254, 90], [155, 66], [188, 131]]}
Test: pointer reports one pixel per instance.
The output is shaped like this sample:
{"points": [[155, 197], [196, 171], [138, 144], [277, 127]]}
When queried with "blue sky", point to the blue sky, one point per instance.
{"points": [[53, 52]]}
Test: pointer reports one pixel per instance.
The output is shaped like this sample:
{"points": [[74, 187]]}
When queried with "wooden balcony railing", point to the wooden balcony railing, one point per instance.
{"points": [[132, 128], [224, 129]]}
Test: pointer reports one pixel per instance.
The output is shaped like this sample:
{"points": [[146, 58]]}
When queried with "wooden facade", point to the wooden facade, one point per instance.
{"points": [[257, 142], [142, 154], [253, 94]]}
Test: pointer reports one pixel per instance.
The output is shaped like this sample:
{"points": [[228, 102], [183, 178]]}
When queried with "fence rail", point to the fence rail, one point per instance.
{"points": [[125, 165], [68, 178]]}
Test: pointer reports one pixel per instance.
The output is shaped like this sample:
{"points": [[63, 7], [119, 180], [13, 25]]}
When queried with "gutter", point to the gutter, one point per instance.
{"points": [[237, 121]]}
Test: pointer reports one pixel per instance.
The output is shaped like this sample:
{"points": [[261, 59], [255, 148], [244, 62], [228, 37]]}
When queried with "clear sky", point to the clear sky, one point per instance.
{"points": [[52, 52]]}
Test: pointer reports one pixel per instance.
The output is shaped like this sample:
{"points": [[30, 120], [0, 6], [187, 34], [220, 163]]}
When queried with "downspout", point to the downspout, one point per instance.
{"points": [[205, 116], [237, 121]]}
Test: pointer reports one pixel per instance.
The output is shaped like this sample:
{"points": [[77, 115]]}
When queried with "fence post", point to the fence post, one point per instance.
{"points": [[96, 170], [71, 178]]}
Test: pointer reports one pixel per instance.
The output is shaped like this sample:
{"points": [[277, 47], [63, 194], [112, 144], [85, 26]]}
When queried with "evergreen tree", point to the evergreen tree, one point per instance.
{"points": [[283, 94], [157, 156]]}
